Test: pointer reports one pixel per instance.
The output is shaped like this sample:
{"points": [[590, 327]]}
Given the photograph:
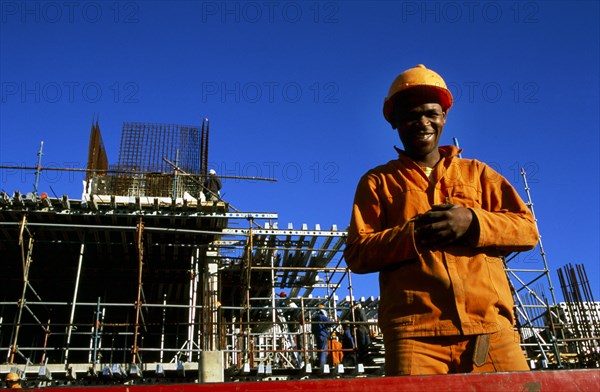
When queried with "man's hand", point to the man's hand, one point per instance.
{"points": [[442, 225]]}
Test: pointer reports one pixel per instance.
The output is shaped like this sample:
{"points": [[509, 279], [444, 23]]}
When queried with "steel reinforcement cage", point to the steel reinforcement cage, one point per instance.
{"points": [[149, 153]]}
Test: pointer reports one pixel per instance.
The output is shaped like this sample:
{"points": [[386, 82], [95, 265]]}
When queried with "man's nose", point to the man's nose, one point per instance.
{"points": [[422, 122]]}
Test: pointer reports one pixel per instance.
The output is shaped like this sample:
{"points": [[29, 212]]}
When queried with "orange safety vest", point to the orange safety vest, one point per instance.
{"points": [[335, 352]]}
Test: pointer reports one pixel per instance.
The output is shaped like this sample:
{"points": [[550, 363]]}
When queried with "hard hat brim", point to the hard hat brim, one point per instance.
{"points": [[438, 94]]}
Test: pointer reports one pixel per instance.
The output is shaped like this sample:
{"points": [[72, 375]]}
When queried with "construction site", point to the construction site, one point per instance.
{"points": [[151, 277]]}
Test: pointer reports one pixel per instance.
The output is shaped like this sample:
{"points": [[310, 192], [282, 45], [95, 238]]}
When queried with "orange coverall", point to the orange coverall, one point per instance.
{"points": [[461, 289]]}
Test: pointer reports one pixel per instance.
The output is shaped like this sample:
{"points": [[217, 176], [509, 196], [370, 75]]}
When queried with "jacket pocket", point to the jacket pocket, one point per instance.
{"points": [[464, 195]]}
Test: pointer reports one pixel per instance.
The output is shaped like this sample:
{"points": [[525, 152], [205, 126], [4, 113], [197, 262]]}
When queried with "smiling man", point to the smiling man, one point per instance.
{"points": [[437, 227]]}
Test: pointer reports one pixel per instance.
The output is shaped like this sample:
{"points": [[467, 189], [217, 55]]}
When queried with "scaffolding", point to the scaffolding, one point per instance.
{"points": [[125, 287], [529, 277]]}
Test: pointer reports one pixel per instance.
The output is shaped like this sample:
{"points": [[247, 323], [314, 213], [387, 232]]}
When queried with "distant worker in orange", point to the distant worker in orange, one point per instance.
{"points": [[212, 186], [13, 381], [437, 227]]}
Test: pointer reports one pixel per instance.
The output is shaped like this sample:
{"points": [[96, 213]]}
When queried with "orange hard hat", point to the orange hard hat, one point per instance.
{"points": [[12, 376], [417, 77]]}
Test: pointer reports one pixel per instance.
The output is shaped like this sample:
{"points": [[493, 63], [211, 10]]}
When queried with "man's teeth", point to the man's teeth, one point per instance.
{"points": [[425, 137]]}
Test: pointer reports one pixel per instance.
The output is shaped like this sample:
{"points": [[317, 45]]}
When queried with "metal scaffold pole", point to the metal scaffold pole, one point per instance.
{"points": [[74, 304], [204, 147], [542, 252], [95, 340], [38, 170], [175, 192], [352, 304], [193, 300], [162, 330], [138, 303], [26, 259], [273, 308], [249, 358], [532, 324]]}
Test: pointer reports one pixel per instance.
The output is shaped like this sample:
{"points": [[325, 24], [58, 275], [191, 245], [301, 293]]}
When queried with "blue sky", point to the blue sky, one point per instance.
{"points": [[294, 90]]}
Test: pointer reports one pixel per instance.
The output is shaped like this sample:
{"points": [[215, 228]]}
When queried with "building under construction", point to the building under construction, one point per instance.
{"points": [[145, 279]]}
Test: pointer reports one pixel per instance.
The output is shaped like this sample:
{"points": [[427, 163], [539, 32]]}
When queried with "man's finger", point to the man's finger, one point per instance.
{"points": [[431, 216], [442, 207]]}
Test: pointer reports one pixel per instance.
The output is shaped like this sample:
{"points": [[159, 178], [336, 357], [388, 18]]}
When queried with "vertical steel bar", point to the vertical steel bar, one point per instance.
{"points": [[138, 303], [273, 309], [203, 327], [96, 335], [586, 304], [38, 170], [249, 345], [304, 337], [192, 300], [594, 317], [352, 313], [175, 176], [204, 147], [26, 265], [74, 304], [46, 334], [213, 270], [162, 332]]}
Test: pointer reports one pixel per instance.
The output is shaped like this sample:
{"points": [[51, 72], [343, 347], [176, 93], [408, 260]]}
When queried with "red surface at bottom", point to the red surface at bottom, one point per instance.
{"points": [[553, 380]]}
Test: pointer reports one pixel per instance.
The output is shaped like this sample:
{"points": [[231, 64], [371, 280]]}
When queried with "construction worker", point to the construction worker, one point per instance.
{"points": [[320, 329], [349, 358], [13, 381], [212, 186], [436, 227], [289, 310], [336, 355], [363, 335]]}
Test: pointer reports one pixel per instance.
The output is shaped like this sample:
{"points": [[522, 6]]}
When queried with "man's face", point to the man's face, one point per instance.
{"points": [[420, 127]]}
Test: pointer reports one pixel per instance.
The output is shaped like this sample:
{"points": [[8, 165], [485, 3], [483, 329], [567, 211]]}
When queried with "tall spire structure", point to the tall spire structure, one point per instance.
{"points": [[97, 159]]}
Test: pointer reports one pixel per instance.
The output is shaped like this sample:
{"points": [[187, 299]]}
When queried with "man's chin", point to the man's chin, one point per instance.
{"points": [[420, 152]]}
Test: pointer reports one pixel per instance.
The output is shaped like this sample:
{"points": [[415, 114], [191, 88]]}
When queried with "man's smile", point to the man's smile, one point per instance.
{"points": [[424, 136]]}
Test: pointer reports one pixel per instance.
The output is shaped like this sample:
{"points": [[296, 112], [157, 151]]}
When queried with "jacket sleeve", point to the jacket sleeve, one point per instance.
{"points": [[371, 246], [505, 222]]}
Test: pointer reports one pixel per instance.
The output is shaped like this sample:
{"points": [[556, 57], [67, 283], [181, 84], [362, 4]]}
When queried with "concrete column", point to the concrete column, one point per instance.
{"points": [[211, 367]]}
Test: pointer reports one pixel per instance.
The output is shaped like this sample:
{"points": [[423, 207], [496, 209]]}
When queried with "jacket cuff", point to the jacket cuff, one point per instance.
{"points": [[413, 240]]}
